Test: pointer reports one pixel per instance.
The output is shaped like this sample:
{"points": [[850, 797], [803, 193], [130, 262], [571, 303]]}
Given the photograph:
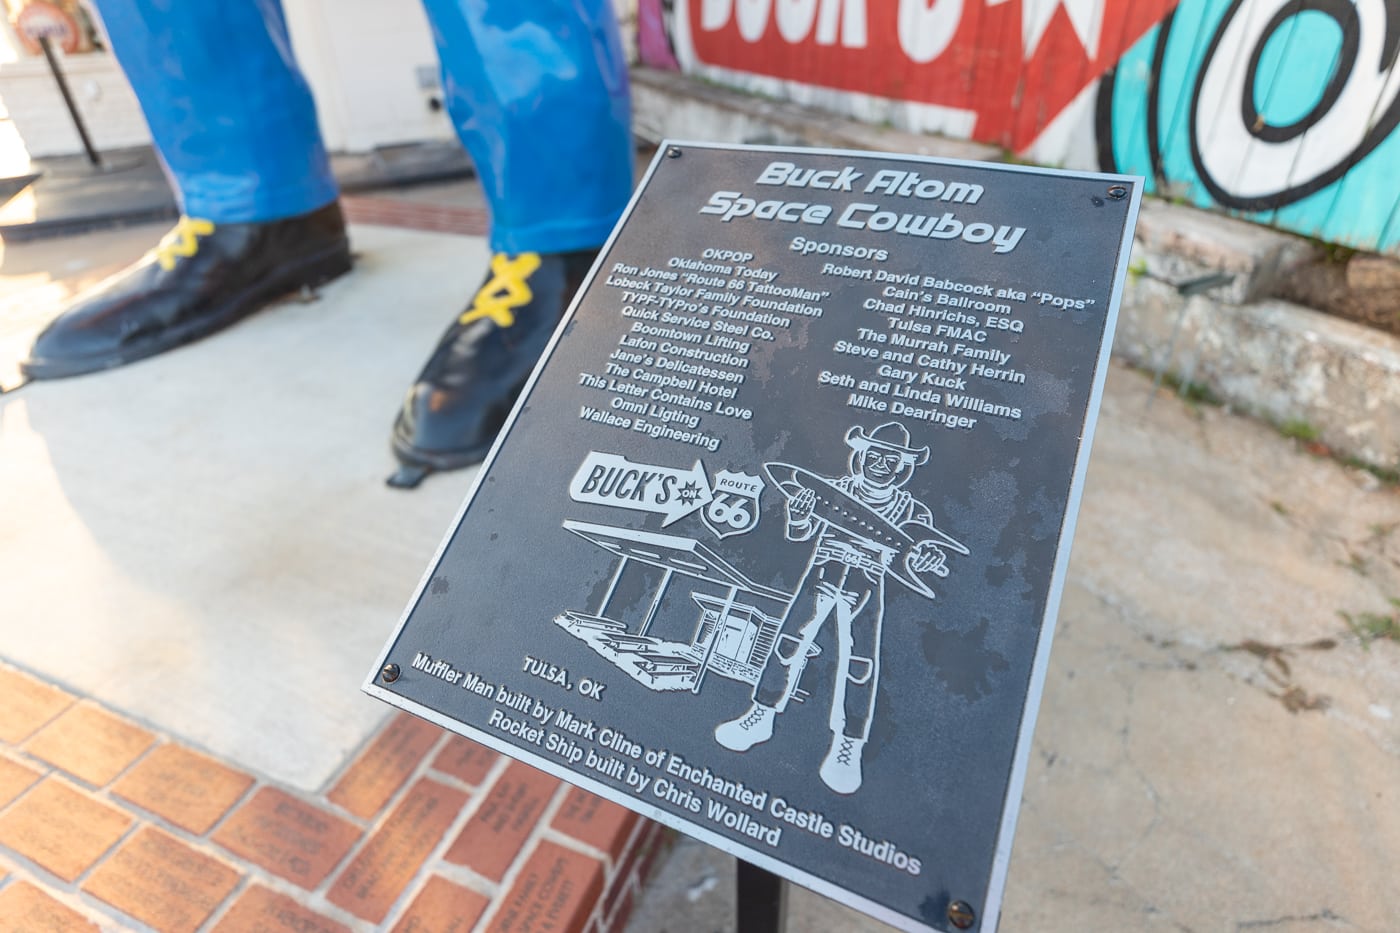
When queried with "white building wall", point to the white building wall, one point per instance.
{"points": [[363, 59], [367, 62]]}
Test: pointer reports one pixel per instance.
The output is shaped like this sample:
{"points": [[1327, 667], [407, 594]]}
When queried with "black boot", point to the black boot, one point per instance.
{"points": [[466, 389], [202, 277]]}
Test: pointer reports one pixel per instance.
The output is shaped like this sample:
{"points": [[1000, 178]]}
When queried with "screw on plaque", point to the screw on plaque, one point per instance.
{"points": [[961, 915], [389, 673], [1118, 192], [673, 152]]}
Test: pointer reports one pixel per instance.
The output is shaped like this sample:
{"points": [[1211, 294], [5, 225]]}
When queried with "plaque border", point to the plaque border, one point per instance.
{"points": [[990, 910]]}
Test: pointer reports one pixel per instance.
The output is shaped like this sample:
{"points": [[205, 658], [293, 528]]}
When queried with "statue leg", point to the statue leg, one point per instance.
{"points": [[538, 94], [537, 91], [230, 112]]}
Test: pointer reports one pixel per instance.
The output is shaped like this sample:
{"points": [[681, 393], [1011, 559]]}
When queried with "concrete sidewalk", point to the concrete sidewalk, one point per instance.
{"points": [[207, 540], [201, 560]]}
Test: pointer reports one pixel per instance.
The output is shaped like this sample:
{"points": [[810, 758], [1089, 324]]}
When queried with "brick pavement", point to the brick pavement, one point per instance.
{"points": [[108, 824], [413, 215]]}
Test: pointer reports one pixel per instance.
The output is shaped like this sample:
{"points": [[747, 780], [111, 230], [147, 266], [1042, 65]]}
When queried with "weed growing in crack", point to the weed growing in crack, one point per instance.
{"points": [[1386, 476], [1374, 626], [1309, 439], [1299, 430], [1195, 393]]}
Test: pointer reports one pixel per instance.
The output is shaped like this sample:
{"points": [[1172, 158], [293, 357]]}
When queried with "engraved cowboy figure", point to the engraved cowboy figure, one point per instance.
{"points": [[845, 580]]}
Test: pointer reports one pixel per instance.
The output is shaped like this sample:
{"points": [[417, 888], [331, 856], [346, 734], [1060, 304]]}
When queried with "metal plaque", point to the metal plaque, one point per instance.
{"points": [[771, 548]]}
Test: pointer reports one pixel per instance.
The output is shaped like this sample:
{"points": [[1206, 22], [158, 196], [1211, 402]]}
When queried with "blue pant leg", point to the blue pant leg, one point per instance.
{"points": [[231, 114], [537, 90]]}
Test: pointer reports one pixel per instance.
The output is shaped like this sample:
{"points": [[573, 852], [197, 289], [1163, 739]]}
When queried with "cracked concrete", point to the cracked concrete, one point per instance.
{"points": [[1216, 750], [1182, 781]]}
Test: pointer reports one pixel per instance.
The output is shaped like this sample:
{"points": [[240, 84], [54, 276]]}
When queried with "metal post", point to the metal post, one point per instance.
{"points": [[761, 902], [62, 82], [1187, 290]]}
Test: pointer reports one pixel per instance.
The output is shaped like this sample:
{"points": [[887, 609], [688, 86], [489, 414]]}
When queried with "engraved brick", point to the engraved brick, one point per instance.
{"points": [[555, 891], [29, 704], [443, 907], [61, 828], [467, 761], [596, 822], [162, 882], [385, 765], [189, 789], [288, 837], [15, 779], [90, 743], [266, 911], [24, 906], [498, 829], [376, 876]]}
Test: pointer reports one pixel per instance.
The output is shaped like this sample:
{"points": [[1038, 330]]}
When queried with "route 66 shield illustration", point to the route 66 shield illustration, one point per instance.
{"points": [[734, 508]]}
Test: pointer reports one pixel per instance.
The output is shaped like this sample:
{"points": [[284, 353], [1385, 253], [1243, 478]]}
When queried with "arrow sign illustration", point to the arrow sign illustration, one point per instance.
{"points": [[611, 479]]}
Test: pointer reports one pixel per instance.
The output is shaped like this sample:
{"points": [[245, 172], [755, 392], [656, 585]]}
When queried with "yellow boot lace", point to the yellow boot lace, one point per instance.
{"points": [[183, 240], [506, 290]]}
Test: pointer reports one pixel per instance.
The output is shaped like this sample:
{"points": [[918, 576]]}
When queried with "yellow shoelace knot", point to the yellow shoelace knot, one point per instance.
{"points": [[183, 240], [507, 289]]}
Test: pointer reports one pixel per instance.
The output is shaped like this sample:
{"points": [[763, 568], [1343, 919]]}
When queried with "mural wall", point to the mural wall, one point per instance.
{"points": [[1280, 111]]}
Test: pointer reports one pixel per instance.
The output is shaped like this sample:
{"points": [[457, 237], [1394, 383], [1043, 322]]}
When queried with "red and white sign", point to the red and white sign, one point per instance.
{"points": [[39, 20], [1013, 65]]}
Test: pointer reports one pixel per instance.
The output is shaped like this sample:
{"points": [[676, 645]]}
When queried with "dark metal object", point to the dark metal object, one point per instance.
{"points": [[389, 673], [673, 152], [62, 82], [1118, 192], [1202, 284], [761, 902], [1187, 289], [961, 915]]}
